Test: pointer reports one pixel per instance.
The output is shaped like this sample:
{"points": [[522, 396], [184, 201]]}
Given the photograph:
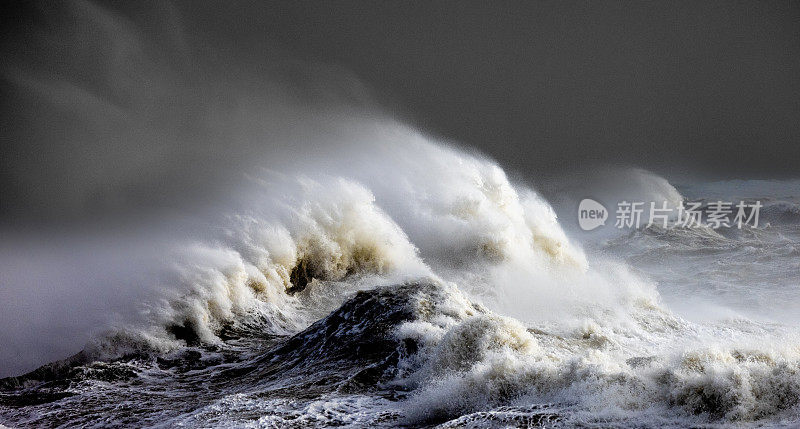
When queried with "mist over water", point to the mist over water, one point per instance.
{"points": [[181, 216]]}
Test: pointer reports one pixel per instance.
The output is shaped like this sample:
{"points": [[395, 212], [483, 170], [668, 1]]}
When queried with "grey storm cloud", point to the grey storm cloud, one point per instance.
{"points": [[113, 106]]}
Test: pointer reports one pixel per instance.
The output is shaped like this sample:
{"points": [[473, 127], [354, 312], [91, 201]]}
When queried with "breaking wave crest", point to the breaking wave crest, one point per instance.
{"points": [[335, 234]]}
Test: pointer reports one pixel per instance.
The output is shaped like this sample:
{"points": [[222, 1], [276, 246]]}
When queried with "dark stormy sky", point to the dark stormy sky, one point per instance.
{"points": [[550, 85], [112, 99]]}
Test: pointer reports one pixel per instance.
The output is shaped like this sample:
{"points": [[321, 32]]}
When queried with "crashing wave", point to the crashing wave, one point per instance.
{"points": [[285, 233], [442, 358]]}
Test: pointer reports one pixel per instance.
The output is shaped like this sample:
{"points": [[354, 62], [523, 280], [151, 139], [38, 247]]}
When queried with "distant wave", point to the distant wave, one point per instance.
{"points": [[781, 212]]}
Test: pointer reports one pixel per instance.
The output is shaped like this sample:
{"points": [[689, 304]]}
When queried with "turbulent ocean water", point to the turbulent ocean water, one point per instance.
{"points": [[412, 284]]}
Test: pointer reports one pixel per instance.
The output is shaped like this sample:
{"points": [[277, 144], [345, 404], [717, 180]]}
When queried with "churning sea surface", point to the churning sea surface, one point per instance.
{"points": [[426, 289]]}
